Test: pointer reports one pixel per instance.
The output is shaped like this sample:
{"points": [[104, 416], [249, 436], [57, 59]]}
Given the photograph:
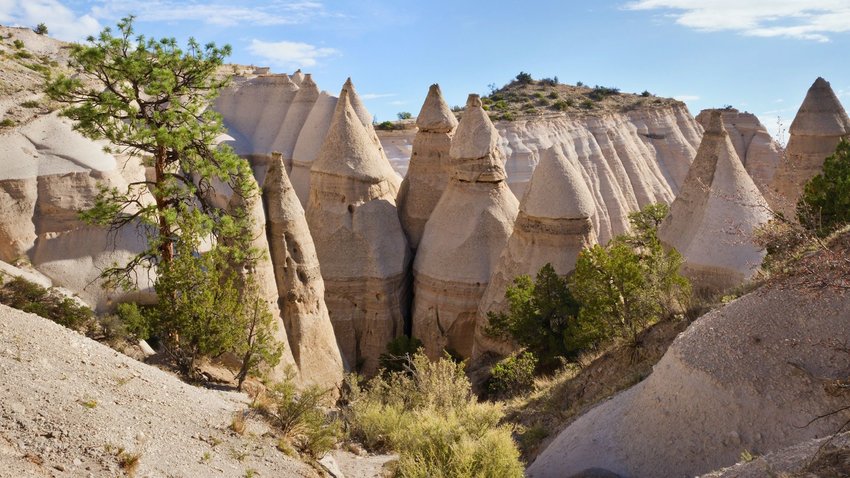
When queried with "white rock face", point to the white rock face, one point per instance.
{"points": [[759, 153], [48, 173], [296, 116], [712, 219], [429, 171], [748, 376], [628, 159], [553, 226], [361, 246], [309, 141], [463, 239], [820, 124], [300, 288]]}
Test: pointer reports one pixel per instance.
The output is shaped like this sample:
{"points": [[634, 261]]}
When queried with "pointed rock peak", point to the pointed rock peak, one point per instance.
{"points": [[821, 113], [276, 176], [715, 123], [357, 103], [435, 115], [557, 190], [347, 150], [297, 77], [307, 90], [308, 80], [476, 137]]}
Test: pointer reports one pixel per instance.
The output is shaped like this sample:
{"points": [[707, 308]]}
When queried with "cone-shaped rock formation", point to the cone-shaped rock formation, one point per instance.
{"points": [[309, 141], [820, 124], [759, 153], [553, 226], [428, 172], [300, 288], [359, 240], [297, 114], [281, 93], [713, 217], [463, 239]]}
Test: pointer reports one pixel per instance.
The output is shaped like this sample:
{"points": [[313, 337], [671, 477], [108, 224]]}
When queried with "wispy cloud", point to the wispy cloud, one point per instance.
{"points": [[288, 54], [214, 12], [375, 96], [686, 97], [807, 20], [61, 21]]}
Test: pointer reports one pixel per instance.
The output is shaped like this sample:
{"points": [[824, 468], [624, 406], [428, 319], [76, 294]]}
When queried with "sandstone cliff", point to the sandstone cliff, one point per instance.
{"points": [[463, 239], [361, 246]]}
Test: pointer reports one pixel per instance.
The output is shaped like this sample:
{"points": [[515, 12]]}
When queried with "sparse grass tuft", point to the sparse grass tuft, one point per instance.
{"points": [[129, 462]]}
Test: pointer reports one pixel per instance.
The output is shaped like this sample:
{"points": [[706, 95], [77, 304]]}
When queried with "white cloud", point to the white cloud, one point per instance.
{"points": [[214, 12], [375, 96], [289, 55], [686, 97], [802, 19], [61, 21]]}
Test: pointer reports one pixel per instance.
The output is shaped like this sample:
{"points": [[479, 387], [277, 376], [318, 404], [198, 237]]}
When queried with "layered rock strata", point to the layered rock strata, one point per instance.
{"points": [[428, 172], [300, 289], [553, 226], [817, 128], [361, 246], [463, 239], [759, 153], [711, 222]]}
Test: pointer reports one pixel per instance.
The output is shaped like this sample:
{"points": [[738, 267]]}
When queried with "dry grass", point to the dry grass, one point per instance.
{"points": [[129, 462]]}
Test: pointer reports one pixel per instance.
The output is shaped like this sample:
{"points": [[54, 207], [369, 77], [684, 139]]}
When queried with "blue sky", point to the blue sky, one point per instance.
{"points": [[756, 55]]}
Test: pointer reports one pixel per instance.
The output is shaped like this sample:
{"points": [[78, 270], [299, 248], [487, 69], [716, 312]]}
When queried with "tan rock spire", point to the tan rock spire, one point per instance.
{"points": [[300, 288], [759, 153], [553, 226], [428, 172], [264, 274], [820, 124], [712, 219], [310, 139], [463, 239], [297, 114], [359, 240], [298, 77]]}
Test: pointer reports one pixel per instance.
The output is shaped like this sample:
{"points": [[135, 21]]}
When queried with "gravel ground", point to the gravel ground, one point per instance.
{"points": [[71, 407]]}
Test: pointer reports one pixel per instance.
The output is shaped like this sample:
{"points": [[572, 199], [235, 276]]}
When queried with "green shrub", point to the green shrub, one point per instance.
{"points": [[300, 416], [507, 116], [587, 104], [403, 115], [41, 29], [433, 421], [24, 295], [386, 126], [553, 95], [513, 375], [399, 352], [524, 78], [18, 43], [30, 104], [7, 122], [600, 92], [825, 203], [23, 55], [646, 94]]}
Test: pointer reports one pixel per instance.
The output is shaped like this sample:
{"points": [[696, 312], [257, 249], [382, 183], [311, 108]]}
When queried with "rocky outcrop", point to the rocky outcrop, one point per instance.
{"points": [[48, 173], [628, 159], [361, 246], [463, 239], [751, 375], [759, 153], [279, 92], [309, 141], [711, 221], [428, 172], [300, 289], [820, 124], [552, 227], [302, 104]]}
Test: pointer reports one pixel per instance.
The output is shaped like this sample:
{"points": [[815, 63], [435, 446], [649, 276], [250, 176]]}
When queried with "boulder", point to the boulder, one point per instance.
{"points": [[428, 172], [361, 246], [463, 239], [711, 222]]}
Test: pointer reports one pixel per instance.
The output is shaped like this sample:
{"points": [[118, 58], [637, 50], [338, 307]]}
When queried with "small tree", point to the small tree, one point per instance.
{"points": [[633, 281], [403, 115], [41, 29], [524, 78], [543, 317], [825, 204]]}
